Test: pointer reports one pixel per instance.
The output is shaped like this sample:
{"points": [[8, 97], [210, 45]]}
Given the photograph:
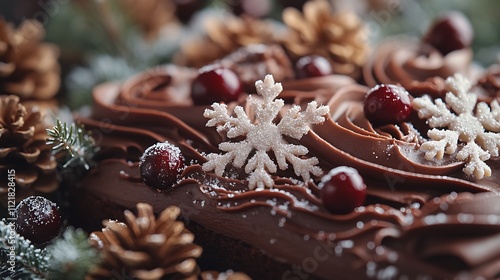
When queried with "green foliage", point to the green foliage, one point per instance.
{"points": [[28, 261], [71, 256], [72, 139]]}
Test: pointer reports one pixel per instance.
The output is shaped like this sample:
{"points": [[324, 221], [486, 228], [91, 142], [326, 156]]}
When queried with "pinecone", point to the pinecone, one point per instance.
{"points": [[254, 62], [23, 149], [340, 37], [28, 67], [223, 37], [150, 15], [145, 247]]}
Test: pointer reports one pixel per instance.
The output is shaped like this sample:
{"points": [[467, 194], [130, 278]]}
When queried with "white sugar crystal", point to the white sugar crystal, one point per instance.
{"points": [[441, 218], [263, 136], [430, 220], [347, 244], [392, 257], [282, 222], [493, 219], [371, 269], [360, 224], [443, 206], [465, 218], [387, 273]]}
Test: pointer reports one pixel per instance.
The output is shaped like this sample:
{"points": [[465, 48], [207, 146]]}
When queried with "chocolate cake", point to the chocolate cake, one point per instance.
{"points": [[392, 175], [421, 218]]}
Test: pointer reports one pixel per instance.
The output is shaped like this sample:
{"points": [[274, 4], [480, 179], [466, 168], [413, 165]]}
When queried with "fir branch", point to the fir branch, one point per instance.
{"points": [[20, 259], [72, 139], [71, 256]]}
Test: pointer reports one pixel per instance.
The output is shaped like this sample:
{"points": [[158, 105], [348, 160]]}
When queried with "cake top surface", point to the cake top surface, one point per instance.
{"points": [[379, 160]]}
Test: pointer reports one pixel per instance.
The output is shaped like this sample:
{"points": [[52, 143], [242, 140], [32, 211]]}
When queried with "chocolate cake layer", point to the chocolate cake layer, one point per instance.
{"points": [[420, 219]]}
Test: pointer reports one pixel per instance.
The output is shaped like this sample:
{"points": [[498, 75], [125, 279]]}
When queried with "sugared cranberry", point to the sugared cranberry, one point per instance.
{"points": [[387, 104], [161, 165], [342, 190], [38, 219], [313, 66], [215, 84], [451, 32]]}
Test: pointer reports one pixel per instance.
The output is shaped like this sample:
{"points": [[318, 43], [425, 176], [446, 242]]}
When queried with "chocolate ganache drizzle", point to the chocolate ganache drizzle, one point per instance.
{"points": [[420, 219]]}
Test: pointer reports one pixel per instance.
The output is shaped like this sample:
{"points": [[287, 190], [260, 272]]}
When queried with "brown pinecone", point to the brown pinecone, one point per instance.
{"points": [[223, 37], [146, 248], [254, 62], [28, 67], [149, 15], [23, 149], [339, 37]]}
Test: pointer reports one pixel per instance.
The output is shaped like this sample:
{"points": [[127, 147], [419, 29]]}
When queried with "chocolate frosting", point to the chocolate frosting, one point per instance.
{"points": [[488, 85], [414, 65], [420, 218]]}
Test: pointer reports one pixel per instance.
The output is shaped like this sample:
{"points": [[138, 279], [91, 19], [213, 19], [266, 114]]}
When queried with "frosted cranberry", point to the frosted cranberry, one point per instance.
{"points": [[161, 165], [451, 32], [313, 66], [215, 84], [342, 190], [387, 104], [38, 219]]}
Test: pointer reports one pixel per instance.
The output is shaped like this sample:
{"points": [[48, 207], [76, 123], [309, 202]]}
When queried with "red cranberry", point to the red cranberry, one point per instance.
{"points": [[313, 66], [161, 165], [387, 104], [38, 219], [451, 32], [342, 190], [215, 84]]}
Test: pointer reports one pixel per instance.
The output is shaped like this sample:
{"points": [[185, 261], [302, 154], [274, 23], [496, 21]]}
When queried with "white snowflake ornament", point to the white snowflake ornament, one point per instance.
{"points": [[478, 130], [262, 136]]}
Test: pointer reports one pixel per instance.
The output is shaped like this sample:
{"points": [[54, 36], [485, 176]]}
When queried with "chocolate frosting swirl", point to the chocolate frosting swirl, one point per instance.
{"points": [[416, 66], [416, 212]]}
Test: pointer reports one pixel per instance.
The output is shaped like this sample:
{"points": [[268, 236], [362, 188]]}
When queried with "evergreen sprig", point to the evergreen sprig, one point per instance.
{"points": [[72, 139], [71, 256], [66, 258], [28, 262]]}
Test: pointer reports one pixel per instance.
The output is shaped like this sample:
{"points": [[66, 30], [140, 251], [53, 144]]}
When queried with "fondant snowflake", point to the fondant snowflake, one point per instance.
{"points": [[477, 127], [262, 136]]}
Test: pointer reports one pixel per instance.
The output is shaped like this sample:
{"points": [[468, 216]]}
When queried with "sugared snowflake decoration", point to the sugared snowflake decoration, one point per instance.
{"points": [[477, 129], [263, 136]]}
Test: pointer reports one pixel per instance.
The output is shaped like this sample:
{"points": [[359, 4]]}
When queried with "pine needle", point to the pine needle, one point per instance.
{"points": [[71, 256], [72, 139], [20, 259]]}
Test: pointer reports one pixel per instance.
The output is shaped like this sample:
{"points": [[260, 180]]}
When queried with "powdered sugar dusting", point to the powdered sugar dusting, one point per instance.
{"points": [[41, 210], [158, 148]]}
